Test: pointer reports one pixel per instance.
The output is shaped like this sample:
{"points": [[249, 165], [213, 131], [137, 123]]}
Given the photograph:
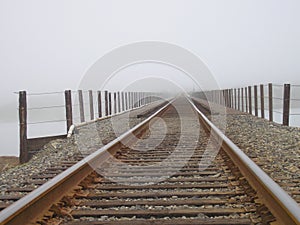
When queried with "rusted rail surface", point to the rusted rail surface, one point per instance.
{"points": [[217, 195]]}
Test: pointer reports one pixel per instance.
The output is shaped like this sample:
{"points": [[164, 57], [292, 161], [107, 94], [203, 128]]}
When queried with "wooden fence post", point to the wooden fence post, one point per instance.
{"points": [[119, 102], [81, 108], [106, 102], [225, 98], [239, 99], [262, 101], [68, 105], [109, 103], [270, 86], [250, 99], [221, 97], [99, 104], [123, 105], [246, 99], [228, 97], [115, 102], [286, 104], [126, 101], [255, 101], [91, 104], [134, 99], [23, 157], [242, 90], [235, 99], [232, 98]]}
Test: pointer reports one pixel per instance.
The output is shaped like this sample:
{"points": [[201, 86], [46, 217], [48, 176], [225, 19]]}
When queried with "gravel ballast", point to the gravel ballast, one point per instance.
{"points": [[274, 147], [71, 149]]}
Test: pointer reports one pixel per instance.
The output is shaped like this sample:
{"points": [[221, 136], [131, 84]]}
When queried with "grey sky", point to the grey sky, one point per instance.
{"points": [[49, 45]]}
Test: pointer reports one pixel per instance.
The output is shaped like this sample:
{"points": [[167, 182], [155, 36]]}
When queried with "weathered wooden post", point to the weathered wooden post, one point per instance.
{"points": [[23, 157], [286, 104], [68, 105], [139, 98], [99, 104], [242, 90], [250, 99], [91, 104], [225, 97], [246, 99], [235, 99], [134, 99], [123, 104], [126, 101], [262, 101], [239, 99], [230, 97], [109, 103], [106, 102], [255, 101], [119, 102], [270, 86], [115, 102], [221, 93], [81, 108]]}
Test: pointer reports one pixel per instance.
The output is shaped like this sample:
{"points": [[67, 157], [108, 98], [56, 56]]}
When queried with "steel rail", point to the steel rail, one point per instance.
{"points": [[33, 205], [282, 206]]}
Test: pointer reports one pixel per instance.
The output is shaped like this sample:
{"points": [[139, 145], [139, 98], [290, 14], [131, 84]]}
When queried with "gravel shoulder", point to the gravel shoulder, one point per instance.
{"points": [[70, 149], [273, 147]]}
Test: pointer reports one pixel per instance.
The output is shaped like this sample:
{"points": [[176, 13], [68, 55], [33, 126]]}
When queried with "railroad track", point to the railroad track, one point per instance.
{"points": [[157, 180]]}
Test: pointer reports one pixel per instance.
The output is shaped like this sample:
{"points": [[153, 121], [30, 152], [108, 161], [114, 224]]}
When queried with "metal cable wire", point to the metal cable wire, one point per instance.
{"points": [[277, 98], [46, 107], [45, 93], [277, 85], [47, 121]]}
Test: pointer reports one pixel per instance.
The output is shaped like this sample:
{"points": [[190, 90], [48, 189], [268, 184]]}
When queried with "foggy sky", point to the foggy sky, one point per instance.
{"points": [[49, 45], [242, 42]]}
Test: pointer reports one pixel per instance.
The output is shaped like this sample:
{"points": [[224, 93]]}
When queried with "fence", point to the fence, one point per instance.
{"points": [[270, 101], [89, 105]]}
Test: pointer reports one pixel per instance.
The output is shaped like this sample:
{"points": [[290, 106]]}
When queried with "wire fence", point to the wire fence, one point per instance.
{"points": [[51, 107], [44, 116], [276, 102]]}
